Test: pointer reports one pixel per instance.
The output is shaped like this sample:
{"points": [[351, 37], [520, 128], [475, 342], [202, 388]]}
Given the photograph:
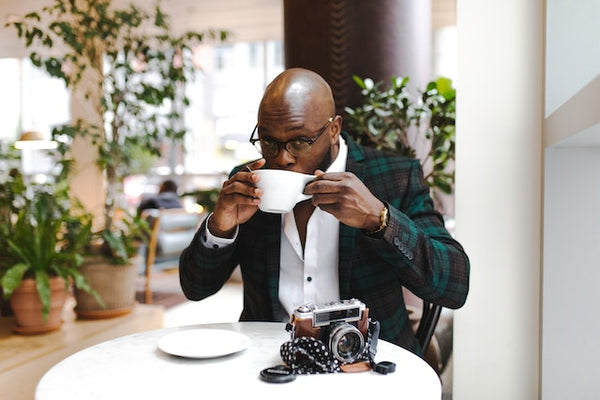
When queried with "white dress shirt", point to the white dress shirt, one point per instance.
{"points": [[311, 276]]}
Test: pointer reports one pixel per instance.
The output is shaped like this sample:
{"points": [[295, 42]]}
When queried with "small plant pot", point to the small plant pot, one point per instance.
{"points": [[116, 285], [27, 307]]}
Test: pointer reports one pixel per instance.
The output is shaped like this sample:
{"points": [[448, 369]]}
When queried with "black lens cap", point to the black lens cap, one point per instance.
{"points": [[277, 374], [384, 367]]}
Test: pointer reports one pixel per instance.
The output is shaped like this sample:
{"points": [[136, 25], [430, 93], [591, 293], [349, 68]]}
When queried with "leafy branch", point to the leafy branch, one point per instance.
{"points": [[420, 127]]}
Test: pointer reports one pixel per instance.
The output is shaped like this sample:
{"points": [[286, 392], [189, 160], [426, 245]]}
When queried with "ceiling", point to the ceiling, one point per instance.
{"points": [[248, 20], [262, 19]]}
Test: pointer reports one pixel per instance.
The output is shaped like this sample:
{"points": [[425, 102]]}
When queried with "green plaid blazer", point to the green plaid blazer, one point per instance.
{"points": [[416, 251]]}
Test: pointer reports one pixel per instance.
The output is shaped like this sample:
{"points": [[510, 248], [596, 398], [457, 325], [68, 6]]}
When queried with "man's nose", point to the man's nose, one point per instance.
{"points": [[284, 159]]}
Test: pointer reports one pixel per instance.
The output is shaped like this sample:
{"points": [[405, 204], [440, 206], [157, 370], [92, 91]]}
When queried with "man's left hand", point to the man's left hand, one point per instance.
{"points": [[347, 198]]}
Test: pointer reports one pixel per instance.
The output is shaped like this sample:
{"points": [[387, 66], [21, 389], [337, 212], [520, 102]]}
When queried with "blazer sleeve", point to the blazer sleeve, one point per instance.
{"points": [[416, 244], [203, 271]]}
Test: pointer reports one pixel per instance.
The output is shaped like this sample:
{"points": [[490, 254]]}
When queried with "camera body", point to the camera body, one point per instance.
{"points": [[342, 325]]}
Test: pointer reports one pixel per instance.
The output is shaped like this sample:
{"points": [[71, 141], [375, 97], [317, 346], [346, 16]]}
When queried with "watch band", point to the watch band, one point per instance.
{"points": [[383, 220]]}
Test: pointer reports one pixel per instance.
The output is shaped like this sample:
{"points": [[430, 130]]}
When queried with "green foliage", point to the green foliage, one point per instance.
{"points": [[123, 241], [206, 198], [393, 119], [130, 68], [42, 233]]}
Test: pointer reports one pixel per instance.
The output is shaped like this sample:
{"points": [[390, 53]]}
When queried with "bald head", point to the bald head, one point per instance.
{"points": [[298, 90], [298, 103]]}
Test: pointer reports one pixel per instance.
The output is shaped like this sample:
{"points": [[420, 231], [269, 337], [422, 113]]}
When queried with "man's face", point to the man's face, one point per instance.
{"points": [[282, 128]]}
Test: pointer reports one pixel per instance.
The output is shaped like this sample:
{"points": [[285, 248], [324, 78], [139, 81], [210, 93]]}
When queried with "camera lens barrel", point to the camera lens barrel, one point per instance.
{"points": [[346, 342]]}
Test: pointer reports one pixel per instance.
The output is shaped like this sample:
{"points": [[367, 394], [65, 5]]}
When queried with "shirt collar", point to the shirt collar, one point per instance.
{"points": [[339, 164]]}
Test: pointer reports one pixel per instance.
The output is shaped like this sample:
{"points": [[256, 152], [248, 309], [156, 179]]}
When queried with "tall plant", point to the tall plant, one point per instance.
{"points": [[132, 71], [414, 126]]}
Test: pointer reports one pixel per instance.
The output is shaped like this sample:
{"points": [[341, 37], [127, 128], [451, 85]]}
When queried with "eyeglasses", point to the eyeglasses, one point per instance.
{"points": [[270, 147]]}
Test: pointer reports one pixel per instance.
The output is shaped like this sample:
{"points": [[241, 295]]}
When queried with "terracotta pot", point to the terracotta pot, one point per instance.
{"points": [[27, 307], [116, 285]]}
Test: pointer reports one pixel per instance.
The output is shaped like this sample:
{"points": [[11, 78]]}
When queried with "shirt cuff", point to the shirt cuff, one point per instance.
{"points": [[211, 241]]}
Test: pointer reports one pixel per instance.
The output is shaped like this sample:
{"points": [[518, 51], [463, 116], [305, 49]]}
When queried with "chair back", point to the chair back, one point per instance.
{"points": [[172, 230], [429, 319]]}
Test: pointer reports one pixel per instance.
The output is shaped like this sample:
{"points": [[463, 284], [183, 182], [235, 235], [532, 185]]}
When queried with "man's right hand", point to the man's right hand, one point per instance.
{"points": [[237, 202]]}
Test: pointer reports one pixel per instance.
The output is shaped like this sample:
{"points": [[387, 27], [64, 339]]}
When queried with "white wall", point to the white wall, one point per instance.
{"points": [[498, 197], [572, 56], [571, 345], [570, 358], [529, 329]]}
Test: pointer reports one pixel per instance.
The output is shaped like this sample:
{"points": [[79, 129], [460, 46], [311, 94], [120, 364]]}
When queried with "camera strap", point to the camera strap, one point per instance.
{"points": [[383, 367]]}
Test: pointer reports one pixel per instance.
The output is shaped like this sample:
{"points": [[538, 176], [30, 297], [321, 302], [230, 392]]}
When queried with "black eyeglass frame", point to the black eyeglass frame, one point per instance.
{"points": [[309, 141]]}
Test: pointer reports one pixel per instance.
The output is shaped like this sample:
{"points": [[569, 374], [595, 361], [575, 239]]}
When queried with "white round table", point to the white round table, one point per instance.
{"points": [[133, 367]]}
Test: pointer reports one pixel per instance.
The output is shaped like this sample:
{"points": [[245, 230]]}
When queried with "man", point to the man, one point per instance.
{"points": [[369, 228]]}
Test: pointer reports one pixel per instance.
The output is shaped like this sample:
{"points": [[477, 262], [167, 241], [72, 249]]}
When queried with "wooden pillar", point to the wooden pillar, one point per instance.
{"points": [[377, 39], [87, 180]]}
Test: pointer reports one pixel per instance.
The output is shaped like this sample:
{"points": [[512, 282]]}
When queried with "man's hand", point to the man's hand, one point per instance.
{"points": [[237, 202], [347, 198]]}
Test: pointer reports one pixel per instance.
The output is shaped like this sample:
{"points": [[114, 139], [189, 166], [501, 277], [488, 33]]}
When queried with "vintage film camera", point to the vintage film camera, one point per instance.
{"points": [[342, 325]]}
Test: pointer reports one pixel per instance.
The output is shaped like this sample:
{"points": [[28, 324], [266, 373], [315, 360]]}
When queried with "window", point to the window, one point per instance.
{"points": [[224, 103], [31, 101], [224, 100]]}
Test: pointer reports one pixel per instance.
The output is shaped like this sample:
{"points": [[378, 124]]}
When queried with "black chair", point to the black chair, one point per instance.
{"points": [[429, 319]]}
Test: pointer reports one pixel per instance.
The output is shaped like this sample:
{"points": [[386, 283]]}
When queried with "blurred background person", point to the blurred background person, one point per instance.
{"points": [[167, 197]]}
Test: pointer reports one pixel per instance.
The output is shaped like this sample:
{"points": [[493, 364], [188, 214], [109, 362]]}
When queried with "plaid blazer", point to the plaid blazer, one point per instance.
{"points": [[416, 251]]}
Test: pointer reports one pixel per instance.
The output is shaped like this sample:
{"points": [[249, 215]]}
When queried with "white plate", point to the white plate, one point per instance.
{"points": [[203, 343]]}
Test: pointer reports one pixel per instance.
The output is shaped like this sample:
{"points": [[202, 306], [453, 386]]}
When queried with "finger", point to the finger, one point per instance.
{"points": [[343, 200], [256, 164], [237, 186], [322, 186], [331, 208], [245, 176], [332, 176], [240, 199], [235, 200]]}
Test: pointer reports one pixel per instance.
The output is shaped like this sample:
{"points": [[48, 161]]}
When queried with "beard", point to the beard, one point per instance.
{"points": [[325, 161]]}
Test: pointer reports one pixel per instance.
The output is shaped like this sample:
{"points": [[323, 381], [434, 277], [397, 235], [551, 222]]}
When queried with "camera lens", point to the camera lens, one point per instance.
{"points": [[346, 342]]}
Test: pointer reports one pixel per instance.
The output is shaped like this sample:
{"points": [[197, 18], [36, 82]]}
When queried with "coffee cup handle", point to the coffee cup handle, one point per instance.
{"points": [[302, 197]]}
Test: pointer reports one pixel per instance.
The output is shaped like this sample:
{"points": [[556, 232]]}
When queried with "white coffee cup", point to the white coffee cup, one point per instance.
{"points": [[282, 190]]}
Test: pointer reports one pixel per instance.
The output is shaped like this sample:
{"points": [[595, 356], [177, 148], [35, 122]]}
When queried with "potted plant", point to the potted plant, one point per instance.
{"points": [[132, 71], [421, 126], [42, 234], [111, 266]]}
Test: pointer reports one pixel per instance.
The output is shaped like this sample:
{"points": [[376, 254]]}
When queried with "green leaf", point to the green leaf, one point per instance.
{"points": [[444, 87], [42, 284], [12, 278], [359, 81], [81, 284]]}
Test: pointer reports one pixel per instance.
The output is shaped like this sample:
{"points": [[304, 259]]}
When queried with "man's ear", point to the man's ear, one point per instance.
{"points": [[336, 128]]}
